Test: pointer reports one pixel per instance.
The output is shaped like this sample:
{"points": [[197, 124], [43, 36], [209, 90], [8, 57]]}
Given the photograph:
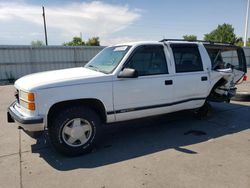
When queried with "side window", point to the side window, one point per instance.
{"points": [[149, 60], [187, 59]]}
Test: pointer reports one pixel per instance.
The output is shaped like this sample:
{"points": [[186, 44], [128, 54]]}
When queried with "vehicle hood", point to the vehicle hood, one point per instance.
{"points": [[60, 78]]}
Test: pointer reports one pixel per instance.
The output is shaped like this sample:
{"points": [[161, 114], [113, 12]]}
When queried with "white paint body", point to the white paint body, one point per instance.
{"points": [[115, 93]]}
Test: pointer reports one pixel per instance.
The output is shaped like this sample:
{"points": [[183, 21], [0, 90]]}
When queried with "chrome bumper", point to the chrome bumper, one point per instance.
{"points": [[27, 123]]}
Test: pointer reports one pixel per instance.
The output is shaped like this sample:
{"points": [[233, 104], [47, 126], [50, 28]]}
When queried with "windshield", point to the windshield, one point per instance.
{"points": [[107, 60]]}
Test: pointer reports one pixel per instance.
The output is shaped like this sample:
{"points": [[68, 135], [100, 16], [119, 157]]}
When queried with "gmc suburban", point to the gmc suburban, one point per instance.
{"points": [[125, 82]]}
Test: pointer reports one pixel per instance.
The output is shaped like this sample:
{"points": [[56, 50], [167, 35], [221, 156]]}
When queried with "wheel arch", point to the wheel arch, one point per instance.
{"points": [[92, 103], [218, 83], [211, 96]]}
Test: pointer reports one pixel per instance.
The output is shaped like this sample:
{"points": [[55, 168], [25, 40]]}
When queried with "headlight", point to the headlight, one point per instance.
{"points": [[27, 100], [27, 96]]}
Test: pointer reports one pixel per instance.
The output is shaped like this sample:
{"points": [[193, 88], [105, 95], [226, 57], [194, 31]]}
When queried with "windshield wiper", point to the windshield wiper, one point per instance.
{"points": [[94, 67]]}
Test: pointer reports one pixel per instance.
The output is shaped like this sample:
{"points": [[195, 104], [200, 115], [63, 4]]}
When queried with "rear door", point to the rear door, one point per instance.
{"points": [[191, 82]]}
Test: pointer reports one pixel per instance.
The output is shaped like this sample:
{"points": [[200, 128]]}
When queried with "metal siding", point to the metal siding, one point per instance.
{"points": [[247, 54], [17, 61]]}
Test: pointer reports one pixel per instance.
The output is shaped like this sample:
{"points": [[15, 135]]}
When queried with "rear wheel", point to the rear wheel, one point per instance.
{"points": [[75, 130], [203, 111]]}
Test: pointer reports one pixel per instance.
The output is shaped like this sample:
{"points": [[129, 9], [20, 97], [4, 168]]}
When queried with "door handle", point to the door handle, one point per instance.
{"points": [[168, 82], [204, 78]]}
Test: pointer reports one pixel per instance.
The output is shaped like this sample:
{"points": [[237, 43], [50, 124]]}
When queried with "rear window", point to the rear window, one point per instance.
{"points": [[223, 57]]}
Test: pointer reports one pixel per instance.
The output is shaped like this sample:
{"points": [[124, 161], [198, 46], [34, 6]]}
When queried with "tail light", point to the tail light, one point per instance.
{"points": [[245, 78]]}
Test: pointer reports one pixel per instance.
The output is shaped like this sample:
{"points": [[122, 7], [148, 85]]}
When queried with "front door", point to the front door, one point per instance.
{"points": [[151, 92]]}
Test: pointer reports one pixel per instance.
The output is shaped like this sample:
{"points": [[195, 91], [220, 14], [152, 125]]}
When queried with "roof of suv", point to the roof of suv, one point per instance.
{"points": [[177, 41], [153, 43]]}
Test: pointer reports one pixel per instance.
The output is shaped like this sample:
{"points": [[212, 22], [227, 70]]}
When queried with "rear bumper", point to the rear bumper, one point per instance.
{"points": [[27, 123]]}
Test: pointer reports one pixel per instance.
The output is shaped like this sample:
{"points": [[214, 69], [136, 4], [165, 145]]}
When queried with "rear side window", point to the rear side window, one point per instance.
{"points": [[187, 58], [149, 60]]}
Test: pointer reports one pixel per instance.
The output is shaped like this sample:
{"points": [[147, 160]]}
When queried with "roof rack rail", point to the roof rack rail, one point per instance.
{"points": [[204, 41]]}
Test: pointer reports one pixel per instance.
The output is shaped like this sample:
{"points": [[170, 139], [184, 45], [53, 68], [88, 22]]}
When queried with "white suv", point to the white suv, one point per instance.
{"points": [[124, 82]]}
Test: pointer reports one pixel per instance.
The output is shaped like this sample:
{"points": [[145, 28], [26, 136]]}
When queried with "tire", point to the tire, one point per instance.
{"points": [[241, 96], [77, 123], [203, 111]]}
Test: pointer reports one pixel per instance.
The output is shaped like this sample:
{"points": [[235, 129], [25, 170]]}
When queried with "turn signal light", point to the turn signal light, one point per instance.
{"points": [[31, 97], [31, 106], [28, 105]]}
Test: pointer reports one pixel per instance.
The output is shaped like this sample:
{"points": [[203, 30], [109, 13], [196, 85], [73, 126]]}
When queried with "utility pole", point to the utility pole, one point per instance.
{"points": [[246, 24], [45, 29]]}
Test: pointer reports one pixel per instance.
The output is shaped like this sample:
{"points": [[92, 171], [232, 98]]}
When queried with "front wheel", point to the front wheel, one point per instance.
{"points": [[75, 130]]}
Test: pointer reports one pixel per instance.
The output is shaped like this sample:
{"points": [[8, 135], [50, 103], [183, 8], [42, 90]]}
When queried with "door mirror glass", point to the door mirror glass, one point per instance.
{"points": [[128, 73]]}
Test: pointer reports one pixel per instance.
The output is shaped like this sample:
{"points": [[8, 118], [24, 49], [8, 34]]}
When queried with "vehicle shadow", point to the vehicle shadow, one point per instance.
{"points": [[138, 138]]}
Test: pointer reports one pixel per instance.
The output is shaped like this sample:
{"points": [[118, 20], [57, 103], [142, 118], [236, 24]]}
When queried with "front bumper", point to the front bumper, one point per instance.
{"points": [[27, 123]]}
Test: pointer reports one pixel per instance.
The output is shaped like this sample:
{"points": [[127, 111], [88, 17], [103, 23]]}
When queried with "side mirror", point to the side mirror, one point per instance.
{"points": [[128, 73]]}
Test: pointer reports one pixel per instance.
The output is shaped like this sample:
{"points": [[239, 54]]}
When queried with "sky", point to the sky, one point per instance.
{"points": [[116, 21]]}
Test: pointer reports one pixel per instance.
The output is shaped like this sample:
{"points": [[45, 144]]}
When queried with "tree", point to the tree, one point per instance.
{"points": [[223, 33], [77, 41], [190, 37], [37, 43], [94, 41], [240, 42]]}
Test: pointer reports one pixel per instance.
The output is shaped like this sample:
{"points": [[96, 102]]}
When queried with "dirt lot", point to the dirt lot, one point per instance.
{"points": [[174, 150]]}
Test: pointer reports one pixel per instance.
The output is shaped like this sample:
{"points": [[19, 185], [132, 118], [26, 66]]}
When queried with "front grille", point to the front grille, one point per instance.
{"points": [[17, 96]]}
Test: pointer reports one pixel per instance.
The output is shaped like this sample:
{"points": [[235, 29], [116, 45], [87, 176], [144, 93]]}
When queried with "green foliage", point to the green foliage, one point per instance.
{"points": [[37, 43], [190, 37], [94, 41], [77, 41], [223, 33], [240, 42]]}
